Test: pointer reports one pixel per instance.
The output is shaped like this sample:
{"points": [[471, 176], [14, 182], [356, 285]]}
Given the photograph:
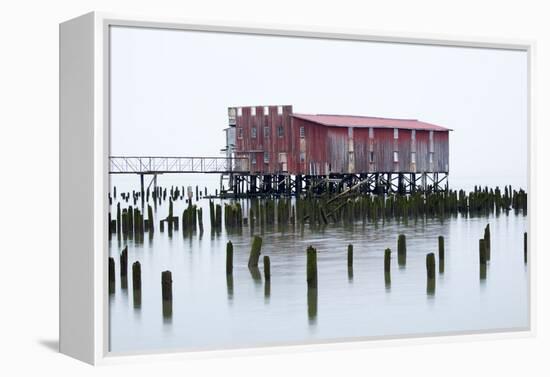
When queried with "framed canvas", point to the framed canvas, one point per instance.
{"points": [[232, 188]]}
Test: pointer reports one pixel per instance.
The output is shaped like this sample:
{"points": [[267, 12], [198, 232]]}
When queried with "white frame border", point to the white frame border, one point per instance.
{"points": [[102, 23]]}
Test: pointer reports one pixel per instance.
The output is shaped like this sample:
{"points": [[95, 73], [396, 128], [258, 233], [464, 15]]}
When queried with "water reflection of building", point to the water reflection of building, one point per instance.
{"points": [[289, 152]]}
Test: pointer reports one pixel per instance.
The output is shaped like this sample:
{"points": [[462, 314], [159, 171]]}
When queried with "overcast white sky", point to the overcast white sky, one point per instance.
{"points": [[170, 91]]}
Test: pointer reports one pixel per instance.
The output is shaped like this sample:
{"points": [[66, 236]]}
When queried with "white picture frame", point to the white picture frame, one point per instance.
{"points": [[84, 148]]}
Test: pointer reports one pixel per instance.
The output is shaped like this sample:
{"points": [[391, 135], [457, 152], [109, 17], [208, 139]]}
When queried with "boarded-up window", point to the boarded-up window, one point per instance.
{"points": [[239, 132], [302, 132], [266, 132], [280, 131], [253, 132], [395, 133], [266, 157], [395, 156]]}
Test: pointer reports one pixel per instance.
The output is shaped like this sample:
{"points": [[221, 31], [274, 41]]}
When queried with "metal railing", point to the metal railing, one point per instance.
{"points": [[161, 165]]}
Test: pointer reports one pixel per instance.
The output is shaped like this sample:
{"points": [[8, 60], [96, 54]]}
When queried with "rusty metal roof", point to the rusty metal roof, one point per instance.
{"points": [[365, 121]]}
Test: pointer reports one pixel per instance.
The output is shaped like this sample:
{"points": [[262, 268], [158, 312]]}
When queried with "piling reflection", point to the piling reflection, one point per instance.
{"points": [[229, 280], [124, 282], [482, 271], [136, 284], [350, 273], [430, 287], [167, 310], [267, 290], [312, 305], [256, 274], [137, 298]]}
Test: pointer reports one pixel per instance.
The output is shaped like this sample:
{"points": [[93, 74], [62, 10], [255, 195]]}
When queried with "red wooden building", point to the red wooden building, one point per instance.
{"points": [[280, 144]]}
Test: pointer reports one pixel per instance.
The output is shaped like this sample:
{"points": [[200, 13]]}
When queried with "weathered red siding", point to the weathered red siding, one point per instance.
{"points": [[328, 149]]}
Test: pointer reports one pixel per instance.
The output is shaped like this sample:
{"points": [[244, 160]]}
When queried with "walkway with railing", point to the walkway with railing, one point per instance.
{"points": [[162, 165]]}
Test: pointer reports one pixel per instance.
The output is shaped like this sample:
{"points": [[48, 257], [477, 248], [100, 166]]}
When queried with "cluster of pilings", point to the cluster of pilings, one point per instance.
{"points": [[344, 208], [158, 194], [485, 200], [130, 223], [351, 208], [233, 216], [215, 216]]}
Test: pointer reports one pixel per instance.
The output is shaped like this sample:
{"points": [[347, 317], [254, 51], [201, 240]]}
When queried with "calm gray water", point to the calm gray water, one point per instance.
{"points": [[207, 315]]}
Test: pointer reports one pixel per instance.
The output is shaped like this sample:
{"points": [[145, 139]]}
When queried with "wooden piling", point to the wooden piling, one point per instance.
{"points": [[124, 268], [118, 220], [430, 265], [124, 262], [487, 239], [111, 275], [166, 285], [525, 247], [482, 252], [350, 256], [136, 283], [151, 220], [229, 258], [311, 269], [441, 244], [482, 260], [430, 270], [401, 250], [267, 268], [387, 266], [255, 252]]}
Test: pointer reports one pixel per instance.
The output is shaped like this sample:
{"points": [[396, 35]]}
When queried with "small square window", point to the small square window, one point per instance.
{"points": [[395, 156], [302, 156], [253, 132], [413, 157], [302, 132], [239, 133], [253, 111], [266, 157], [239, 111], [266, 132], [395, 133], [280, 131]]}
